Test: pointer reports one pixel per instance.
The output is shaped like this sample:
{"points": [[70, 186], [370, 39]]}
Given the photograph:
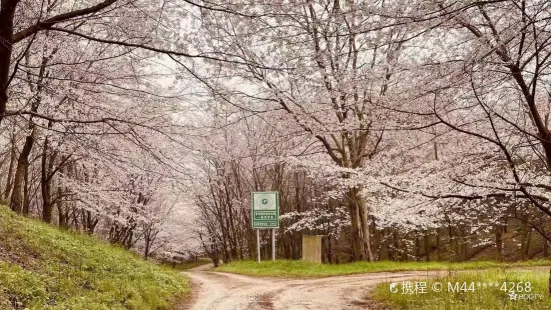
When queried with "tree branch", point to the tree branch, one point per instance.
{"points": [[50, 22]]}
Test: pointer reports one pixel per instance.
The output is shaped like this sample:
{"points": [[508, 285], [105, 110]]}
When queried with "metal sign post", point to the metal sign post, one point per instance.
{"points": [[265, 214], [258, 244], [273, 244]]}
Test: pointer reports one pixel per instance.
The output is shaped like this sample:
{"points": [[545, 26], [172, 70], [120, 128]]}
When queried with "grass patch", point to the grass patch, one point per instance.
{"points": [[302, 269], [42, 267], [482, 298]]}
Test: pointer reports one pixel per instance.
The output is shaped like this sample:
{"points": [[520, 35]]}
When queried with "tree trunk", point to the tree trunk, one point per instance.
{"points": [[427, 246], [366, 234], [45, 187], [146, 250], [499, 244], [395, 245], [356, 233], [545, 248], [16, 202], [464, 244], [7, 11], [90, 223], [9, 183], [438, 250], [62, 215], [330, 249], [46, 175], [26, 201], [361, 236], [454, 238], [417, 249], [525, 237]]}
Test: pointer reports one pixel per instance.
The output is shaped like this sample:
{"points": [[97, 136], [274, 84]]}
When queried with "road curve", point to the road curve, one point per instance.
{"points": [[225, 291]]}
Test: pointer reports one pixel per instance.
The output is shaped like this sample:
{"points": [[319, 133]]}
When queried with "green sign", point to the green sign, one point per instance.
{"points": [[265, 209]]}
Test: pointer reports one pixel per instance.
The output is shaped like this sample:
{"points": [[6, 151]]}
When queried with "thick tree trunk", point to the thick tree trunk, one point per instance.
{"points": [[16, 202], [366, 234], [7, 11], [361, 243], [356, 239]]}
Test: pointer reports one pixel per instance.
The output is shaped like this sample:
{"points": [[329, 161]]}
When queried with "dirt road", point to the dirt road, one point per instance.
{"points": [[223, 291]]}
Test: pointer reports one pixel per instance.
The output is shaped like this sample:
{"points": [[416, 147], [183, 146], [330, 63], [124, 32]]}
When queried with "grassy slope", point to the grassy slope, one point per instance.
{"points": [[481, 298], [301, 269], [42, 267]]}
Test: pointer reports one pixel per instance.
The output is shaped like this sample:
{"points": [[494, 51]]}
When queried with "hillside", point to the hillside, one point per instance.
{"points": [[42, 267]]}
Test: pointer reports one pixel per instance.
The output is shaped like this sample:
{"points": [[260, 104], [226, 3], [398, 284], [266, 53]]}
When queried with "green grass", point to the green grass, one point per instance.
{"points": [[481, 298], [302, 269], [42, 267]]}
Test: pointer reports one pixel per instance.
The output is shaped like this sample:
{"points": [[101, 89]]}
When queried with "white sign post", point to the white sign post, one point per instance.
{"points": [[264, 215]]}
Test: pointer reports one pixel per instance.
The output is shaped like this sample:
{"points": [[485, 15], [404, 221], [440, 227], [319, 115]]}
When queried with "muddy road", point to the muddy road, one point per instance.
{"points": [[224, 291]]}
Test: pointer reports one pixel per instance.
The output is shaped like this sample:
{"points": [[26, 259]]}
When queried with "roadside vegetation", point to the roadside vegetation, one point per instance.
{"points": [[301, 269], [489, 297], [42, 267]]}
